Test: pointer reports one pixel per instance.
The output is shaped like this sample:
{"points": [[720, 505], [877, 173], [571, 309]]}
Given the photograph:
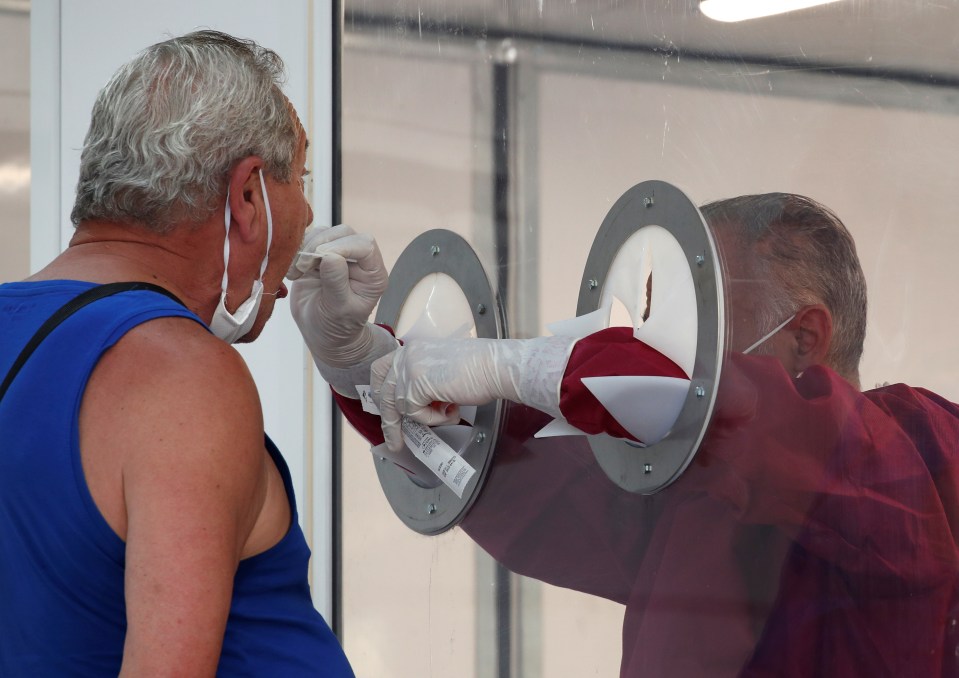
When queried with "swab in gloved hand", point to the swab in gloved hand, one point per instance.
{"points": [[321, 241], [332, 299], [320, 255]]}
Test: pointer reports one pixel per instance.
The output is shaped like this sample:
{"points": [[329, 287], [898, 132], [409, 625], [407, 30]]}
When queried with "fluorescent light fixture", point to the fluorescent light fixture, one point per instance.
{"points": [[14, 177], [21, 6], [742, 10]]}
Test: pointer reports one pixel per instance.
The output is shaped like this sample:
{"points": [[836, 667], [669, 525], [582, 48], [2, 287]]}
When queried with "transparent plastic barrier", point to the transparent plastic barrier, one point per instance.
{"points": [[519, 126]]}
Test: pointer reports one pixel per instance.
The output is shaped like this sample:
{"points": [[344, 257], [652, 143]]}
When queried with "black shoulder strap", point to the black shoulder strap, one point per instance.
{"points": [[69, 309]]}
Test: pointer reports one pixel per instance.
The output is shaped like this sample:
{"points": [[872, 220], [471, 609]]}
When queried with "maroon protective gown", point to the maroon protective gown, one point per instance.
{"points": [[813, 535]]}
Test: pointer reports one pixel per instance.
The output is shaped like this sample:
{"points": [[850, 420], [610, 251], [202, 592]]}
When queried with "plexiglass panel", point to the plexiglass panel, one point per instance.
{"points": [[518, 125], [15, 141]]}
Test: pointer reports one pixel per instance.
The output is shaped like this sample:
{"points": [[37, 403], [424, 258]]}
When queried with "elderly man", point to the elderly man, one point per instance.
{"points": [[813, 535], [148, 525]]}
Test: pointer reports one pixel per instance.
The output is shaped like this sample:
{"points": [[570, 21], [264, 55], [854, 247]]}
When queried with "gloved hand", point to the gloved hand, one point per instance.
{"points": [[427, 380], [335, 293]]}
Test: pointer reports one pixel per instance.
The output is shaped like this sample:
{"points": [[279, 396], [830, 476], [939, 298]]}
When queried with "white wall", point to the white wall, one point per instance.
{"points": [[77, 45]]}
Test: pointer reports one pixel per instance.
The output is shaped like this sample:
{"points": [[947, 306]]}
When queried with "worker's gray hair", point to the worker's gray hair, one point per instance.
{"points": [[170, 125], [807, 256]]}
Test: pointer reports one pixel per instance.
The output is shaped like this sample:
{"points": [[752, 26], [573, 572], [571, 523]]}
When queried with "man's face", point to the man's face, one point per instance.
{"points": [[292, 215]]}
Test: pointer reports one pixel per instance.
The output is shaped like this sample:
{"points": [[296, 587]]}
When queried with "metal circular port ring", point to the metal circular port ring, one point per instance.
{"points": [[646, 470], [433, 510]]}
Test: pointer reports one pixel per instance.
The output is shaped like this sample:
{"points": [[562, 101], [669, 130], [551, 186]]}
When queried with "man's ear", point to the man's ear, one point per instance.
{"points": [[812, 331], [246, 199]]}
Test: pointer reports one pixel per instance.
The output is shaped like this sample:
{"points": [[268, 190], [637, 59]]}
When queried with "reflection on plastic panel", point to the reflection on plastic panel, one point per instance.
{"points": [[813, 533]]}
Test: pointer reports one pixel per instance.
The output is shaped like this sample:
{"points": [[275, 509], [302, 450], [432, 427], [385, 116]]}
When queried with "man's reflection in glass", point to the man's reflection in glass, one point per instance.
{"points": [[815, 532]]}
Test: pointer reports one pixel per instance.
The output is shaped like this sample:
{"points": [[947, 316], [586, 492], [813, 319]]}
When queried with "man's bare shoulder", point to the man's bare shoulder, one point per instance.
{"points": [[172, 371], [175, 362], [175, 343], [169, 408]]}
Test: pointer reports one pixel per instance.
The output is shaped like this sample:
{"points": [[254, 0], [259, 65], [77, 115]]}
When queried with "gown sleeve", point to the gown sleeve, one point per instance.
{"points": [[816, 528], [862, 481]]}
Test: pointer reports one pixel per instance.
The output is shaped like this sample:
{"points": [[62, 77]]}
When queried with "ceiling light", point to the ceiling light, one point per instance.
{"points": [[741, 10], [14, 176]]}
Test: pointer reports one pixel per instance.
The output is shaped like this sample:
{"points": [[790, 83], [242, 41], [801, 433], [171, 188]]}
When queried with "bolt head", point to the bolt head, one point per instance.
{"points": [[431, 508], [481, 308], [593, 283], [434, 250], [700, 392]]}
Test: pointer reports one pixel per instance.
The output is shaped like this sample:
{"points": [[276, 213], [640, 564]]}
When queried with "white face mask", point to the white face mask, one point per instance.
{"points": [[768, 336], [233, 326]]}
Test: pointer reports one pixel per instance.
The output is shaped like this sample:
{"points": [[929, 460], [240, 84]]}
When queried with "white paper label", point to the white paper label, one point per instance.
{"points": [[366, 399], [440, 458]]}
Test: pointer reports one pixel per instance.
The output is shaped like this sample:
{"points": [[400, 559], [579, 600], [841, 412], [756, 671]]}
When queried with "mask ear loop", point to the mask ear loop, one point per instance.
{"points": [[269, 226], [767, 336], [227, 213], [226, 243]]}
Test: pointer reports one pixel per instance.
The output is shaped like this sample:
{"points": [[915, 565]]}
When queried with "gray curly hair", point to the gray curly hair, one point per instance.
{"points": [[807, 256], [172, 122]]}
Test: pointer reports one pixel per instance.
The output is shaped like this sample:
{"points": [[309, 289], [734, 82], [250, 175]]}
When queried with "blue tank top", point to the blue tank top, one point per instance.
{"points": [[61, 566]]}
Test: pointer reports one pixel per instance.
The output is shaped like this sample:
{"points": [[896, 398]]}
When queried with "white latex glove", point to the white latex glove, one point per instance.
{"points": [[427, 380], [335, 293]]}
